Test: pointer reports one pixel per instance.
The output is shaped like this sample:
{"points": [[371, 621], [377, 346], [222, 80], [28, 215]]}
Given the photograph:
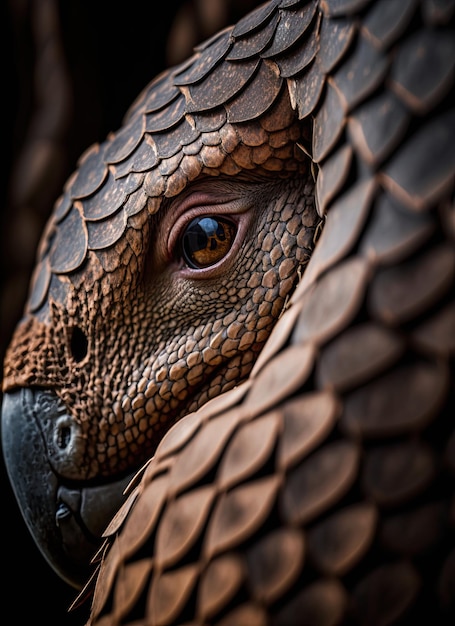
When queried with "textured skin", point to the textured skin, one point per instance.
{"points": [[320, 489], [97, 238]]}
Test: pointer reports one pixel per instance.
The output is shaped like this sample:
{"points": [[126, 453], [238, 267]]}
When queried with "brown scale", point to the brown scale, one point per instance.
{"points": [[338, 542], [348, 215], [385, 594], [283, 501], [321, 603], [319, 481], [357, 355], [274, 563]]}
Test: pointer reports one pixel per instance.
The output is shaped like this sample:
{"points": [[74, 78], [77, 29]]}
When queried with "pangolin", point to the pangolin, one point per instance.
{"points": [[230, 397]]}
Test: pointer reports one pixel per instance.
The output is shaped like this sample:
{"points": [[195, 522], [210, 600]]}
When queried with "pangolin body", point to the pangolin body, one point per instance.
{"points": [[291, 410]]}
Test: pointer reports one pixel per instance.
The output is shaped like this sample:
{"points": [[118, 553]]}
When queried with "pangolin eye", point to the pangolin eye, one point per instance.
{"points": [[207, 240]]}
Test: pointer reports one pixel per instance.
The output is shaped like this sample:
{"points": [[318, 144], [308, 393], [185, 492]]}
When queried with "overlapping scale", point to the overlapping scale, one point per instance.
{"points": [[90, 176], [323, 603], [414, 531], [169, 166], [222, 84], [329, 123], [255, 43], [143, 158], [438, 11], [248, 450], [267, 83], [412, 174], [205, 61], [169, 592], [331, 177], [377, 127], [110, 197], [420, 85], [64, 202], [376, 410], [239, 513], [306, 420], [347, 216], [387, 20], [169, 143], [357, 355], [132, 579], [178, 435], [318, 482], [202, 452], [144, 515], [280, 378], [255, 19], [209, 121], [278, 338], [394, 474], [274, 562], [293, 61], [336, 36], [39, 285], [163, 119], [161, 92], [247, 613], [344, 7], [120, 145], [402, 292], [386, 593], [394, 232], [182, 523], [290, 28], [104, 578], [219, 583], [135, 203], [361, 74], [69, 246], [332, 303], [103, 234], [306, 88], [435, 335], [339, 541]]}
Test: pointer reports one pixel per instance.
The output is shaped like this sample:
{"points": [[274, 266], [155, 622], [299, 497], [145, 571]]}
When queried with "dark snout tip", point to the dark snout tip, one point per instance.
{"points": [[35, 484], [64, 511]]}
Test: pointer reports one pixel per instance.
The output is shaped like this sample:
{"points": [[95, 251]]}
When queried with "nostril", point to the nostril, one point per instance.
{"points": [[78, 344], [63, 437]]}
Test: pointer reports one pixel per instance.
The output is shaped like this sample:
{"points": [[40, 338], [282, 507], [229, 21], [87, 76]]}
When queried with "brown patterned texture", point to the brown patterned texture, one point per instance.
{"points": [[319, 489]]}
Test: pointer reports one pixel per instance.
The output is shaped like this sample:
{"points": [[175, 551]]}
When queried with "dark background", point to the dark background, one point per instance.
{"points": [[71, 68]]}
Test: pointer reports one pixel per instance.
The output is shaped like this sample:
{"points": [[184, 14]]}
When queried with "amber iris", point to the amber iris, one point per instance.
{"points": [[207, 240]]}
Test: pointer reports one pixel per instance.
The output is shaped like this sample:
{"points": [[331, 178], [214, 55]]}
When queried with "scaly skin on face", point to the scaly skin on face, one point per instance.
{"points": [[133, 338], [124, 333]]}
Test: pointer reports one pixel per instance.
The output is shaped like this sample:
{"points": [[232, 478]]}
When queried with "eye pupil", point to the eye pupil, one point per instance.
{"points": [[206, 241]]}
